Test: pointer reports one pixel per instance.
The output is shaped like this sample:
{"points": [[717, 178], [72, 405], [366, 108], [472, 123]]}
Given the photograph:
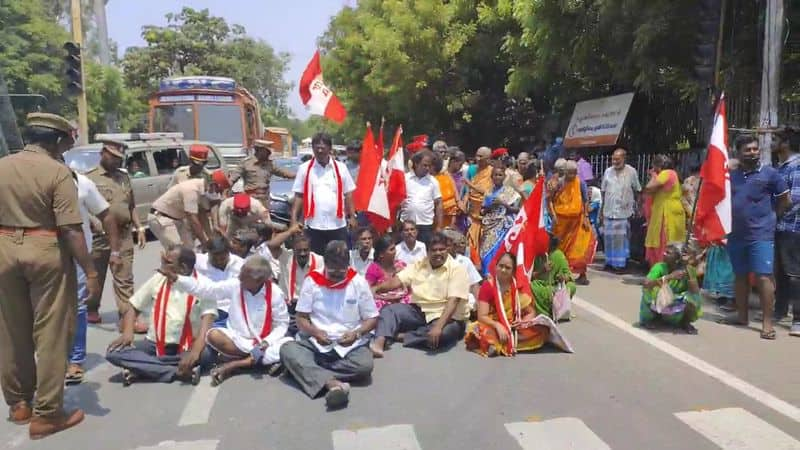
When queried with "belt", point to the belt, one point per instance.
{"points": [[12, 231], [159, 213], [258, 192]]}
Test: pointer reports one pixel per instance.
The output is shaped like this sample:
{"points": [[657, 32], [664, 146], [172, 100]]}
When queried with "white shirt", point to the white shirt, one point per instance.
{"points": [[286, 260], [472, 273], [323, 187], [336, 311], [360, 265], [264, 251], [421, 193], [231, 272], [256, 306], [409, 257], [90, 202]]}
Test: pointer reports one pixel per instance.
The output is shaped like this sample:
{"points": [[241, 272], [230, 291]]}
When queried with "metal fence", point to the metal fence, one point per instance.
{"points": [[685, 161]]}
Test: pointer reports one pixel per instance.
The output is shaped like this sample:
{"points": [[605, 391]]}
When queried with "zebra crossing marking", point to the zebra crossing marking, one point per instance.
{"points": [[392, 437], [737, 429], [183, 445], [563, 433], [198, 407]]}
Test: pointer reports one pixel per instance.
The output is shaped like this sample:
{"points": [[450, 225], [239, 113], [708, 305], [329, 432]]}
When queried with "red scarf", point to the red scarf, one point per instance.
{"points": [[160, 319], [511, 345], [267, 326], [293, 274], [308, 196], [323, 281]]}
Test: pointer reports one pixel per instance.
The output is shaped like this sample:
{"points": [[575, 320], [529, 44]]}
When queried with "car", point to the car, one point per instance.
{"points": [[150, 160]]}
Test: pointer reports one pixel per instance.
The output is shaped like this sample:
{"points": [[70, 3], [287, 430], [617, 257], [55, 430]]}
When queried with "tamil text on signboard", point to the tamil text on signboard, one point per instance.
{"points": [[597, 122]]}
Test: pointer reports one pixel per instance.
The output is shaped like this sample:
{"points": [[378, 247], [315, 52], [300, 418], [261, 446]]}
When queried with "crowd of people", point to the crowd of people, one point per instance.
{"points": [[324, 296]]}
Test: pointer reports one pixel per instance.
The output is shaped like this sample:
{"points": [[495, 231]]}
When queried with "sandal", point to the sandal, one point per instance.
{"points": [[195, 376], [217, 376], [74, 375], [768, 335], [733, 322], [127, 377]]}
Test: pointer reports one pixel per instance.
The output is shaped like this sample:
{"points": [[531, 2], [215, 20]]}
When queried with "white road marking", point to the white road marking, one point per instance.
{"points": [[17, 437], [737, 429], [393, 437], [729, 379], [183, 445], [563, 433], [198, 408]]}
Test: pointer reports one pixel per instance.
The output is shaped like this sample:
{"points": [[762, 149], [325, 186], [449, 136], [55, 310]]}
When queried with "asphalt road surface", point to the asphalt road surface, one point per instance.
{"points": [[623, 388]]}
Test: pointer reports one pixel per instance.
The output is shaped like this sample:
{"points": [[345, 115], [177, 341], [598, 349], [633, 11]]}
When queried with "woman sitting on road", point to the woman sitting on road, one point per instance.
{"points": [[549, 271], [505, 311], [686, 303], [384, 268]]}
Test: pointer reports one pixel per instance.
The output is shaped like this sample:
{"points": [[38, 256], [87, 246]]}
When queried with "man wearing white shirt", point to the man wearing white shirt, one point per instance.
{"points": [[458, 247], [257, 321], [410, 250], [91, 203], [423, 203], [363, 255], [219, 265], [335, 314], [323, 188]]}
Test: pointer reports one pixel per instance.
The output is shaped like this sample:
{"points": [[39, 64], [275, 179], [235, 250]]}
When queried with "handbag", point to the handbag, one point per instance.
{"points": [[664, 297], [562, 303]]}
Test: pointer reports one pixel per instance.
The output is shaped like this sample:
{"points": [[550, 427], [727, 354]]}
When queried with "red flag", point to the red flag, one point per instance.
{"points": [[712, 219], [396, 175], [370, 194], [316, 96], [379, 144], [527, 238]]}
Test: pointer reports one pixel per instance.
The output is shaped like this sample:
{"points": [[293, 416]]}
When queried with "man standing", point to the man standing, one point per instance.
{"points": [[40, 234], [423, 203], [353, 161], [757, 192], [240, 212], [787, 238], [256, 171], [620, 189], [115, 186], [198, 157], [324, 189]]}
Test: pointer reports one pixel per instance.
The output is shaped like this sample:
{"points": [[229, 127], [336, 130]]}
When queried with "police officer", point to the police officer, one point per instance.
{"points": [[40, 234], [198, 158], [255, 171], [115, 186]]}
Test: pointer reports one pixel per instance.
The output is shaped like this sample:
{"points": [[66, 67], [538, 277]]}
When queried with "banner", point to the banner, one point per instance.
{"points": [[597, 122]]}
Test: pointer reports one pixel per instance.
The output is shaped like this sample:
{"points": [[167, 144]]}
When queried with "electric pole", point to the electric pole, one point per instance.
{"points": [[771, 76], [77, 37]]}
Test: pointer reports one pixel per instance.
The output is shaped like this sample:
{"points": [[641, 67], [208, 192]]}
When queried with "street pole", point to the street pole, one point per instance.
{"points": [[77, 37], [770, 76]]}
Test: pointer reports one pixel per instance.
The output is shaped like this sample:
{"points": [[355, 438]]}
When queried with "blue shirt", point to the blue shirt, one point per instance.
{"points": [[790, 170], [754, 216]]}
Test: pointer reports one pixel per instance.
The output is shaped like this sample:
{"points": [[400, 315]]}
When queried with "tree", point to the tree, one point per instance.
{"points": [[106, 93], [197, 43]]}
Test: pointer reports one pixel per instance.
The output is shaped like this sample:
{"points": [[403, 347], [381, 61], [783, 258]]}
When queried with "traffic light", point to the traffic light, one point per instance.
{"points": [[74, 70], [705, 50]]}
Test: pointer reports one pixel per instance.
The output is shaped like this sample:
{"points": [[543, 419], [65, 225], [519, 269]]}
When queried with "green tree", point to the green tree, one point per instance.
{"points": [[106, 93], [197, 43]]}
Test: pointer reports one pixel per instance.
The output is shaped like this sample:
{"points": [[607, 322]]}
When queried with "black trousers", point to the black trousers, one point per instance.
{"points": [[409, 319], [320, 238], [787, 274]]}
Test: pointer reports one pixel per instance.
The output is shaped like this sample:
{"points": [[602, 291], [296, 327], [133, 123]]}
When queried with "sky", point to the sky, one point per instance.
{"points": [[291, 26]]}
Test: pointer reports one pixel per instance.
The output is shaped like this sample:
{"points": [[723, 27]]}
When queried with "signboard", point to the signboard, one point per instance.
{"points": [[597, 122]]}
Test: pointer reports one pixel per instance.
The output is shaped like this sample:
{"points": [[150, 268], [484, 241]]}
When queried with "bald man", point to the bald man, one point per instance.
{"points": [[620, 188]]}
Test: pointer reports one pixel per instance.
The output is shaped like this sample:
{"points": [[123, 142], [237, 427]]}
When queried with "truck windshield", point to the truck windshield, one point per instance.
{"points": [[221, 124], [175, 118]]}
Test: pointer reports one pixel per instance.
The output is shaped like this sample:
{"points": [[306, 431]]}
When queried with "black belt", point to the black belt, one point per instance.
{"points": [[159, 213]]}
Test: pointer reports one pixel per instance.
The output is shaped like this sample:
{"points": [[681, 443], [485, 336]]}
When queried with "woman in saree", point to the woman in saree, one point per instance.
{"points": [[685, 306], [450, 195], [667, 224], [500, 208], [384, 268], [479, 182], [504, 314], [550, 271], [571, 225], [529, 179]]}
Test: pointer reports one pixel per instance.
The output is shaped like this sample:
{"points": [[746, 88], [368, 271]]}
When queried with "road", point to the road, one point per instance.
{"points": [[623, 388]]}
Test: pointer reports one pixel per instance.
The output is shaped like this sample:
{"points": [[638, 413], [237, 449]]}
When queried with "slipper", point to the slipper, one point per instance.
{"points": [[276, 369], [768, 335], [195, 376], [217, 376], [127, 377], [338, 396], [74, 377], [733, 322]]}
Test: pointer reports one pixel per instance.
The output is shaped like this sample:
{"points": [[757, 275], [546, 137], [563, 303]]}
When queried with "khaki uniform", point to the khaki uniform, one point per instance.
{"points": [[182, 174], [116, 189], [38, 286], [256, 177], [233, 222], [166, 218]]}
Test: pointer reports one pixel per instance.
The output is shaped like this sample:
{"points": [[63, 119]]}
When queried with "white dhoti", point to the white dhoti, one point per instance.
{"points": [[246, 345]]}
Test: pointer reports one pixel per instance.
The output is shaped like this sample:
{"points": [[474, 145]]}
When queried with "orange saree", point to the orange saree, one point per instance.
{"points": [[572, 227]]}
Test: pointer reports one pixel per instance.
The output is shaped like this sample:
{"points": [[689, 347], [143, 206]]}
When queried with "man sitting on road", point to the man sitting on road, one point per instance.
{"points": [[295, 264], [335, 313], [458, 248], [410, 250], [175, 342], [239, 212], [219, 265], [258, 318], [439, 291]]}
